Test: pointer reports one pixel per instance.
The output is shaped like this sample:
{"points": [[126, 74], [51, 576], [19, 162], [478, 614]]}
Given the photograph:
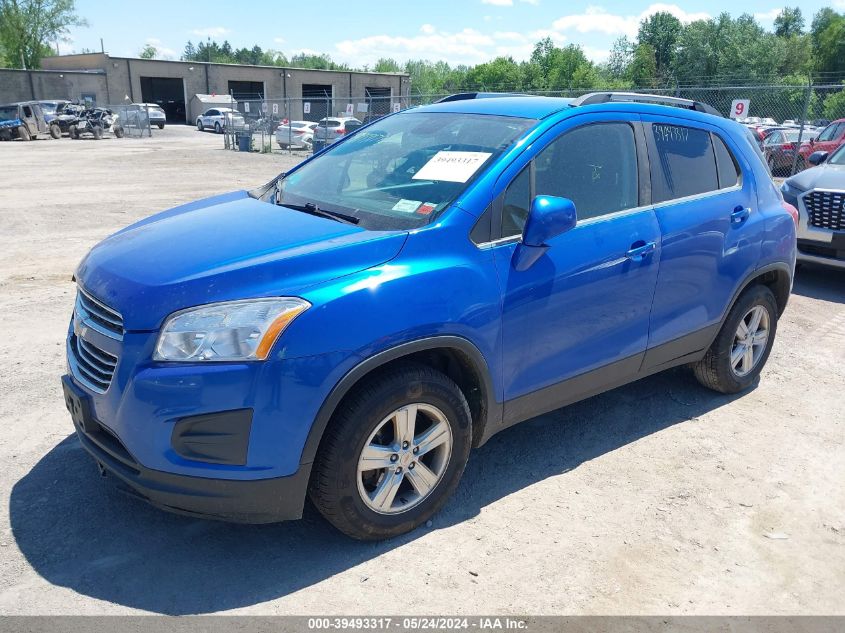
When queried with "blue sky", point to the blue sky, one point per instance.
{"points": [[358, 33]]}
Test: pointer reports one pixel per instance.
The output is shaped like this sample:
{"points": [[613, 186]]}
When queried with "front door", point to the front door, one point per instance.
{"points": [[582, 309]]}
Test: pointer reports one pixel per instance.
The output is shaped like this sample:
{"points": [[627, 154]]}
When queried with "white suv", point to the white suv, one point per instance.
{"points": [[219, 118]]}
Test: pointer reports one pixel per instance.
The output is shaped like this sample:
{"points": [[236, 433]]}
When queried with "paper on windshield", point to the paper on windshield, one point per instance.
{"points": [[452, 166]]}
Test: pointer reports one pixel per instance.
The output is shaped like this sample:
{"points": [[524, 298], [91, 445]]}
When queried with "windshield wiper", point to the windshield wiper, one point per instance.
{"points": [[313, 209]]}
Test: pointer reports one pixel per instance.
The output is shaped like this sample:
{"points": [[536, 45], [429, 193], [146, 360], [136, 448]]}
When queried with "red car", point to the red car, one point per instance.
{"points": [[828, 140], [779, 148]]}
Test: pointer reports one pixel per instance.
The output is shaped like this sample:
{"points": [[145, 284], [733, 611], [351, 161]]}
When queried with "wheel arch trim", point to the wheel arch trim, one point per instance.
{"points": [[493, 409]]}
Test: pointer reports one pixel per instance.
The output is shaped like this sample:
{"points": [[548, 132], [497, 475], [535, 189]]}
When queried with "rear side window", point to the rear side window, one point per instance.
{"points": [[726, 165], [685, 165]]}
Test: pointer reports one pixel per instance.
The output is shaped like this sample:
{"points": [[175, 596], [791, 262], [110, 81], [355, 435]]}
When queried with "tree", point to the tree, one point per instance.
{"points": [[828, 36], [190, 54], [621, 56], [834, 105], [148, 52], [28, 26], [387, 65], [661, 31], [643, 68], [789, 22]]}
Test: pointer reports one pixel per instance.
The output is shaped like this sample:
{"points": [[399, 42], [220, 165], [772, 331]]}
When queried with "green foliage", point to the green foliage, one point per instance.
{"points": [[211, 51], [27, 27], [660, 31], [828, 41], [148, 52], [789, 22], [834, 105]]}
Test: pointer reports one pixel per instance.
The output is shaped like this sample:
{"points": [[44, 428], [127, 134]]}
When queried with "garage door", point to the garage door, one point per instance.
{"points": [[319, 96], [169, 93]]}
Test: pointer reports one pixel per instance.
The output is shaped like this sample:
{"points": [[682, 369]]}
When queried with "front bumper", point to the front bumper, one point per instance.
{"points": [[246, 501]]}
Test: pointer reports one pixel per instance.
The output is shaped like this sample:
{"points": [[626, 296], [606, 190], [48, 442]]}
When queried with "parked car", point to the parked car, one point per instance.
{"points": [[779, 149], [96, 122], [827, 140], [330, 129], [25, 120], [219, 119], [295, 134], [351, 329], [819, 195], [156, 114]]}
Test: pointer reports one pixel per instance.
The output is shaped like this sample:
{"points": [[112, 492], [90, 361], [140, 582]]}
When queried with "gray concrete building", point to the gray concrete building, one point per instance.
{"points": [[105, 80]]}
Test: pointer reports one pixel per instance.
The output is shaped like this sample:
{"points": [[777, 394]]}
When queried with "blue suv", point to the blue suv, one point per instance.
{"points": [[349, 331]]}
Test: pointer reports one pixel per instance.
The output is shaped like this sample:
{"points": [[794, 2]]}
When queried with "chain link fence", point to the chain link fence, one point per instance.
{"points": [[786, 120], [134, 119]]}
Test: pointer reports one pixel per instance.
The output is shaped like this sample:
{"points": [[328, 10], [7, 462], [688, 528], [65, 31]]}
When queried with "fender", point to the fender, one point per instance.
{"points": [[757, 272], [493, 409]]}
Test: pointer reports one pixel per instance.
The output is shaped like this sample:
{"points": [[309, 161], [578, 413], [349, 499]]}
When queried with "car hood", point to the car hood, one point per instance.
{"points": [[224, 248], [825, 176]]}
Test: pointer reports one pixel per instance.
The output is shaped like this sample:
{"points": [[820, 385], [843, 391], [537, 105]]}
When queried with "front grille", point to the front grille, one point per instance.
{"points": [[98, 315], [825, 209], [94, 366]]}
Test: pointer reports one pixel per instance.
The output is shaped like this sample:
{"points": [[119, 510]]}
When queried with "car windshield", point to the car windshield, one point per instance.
{"points": [[838, 157], [49, 107], [8, 113], [402, 171]]}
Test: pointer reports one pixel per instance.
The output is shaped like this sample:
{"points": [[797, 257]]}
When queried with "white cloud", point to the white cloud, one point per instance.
{"points": [[211, 31], [279, 40], [768, 16], [596, 19], [498, 3], [467, 46], [162, 51]]}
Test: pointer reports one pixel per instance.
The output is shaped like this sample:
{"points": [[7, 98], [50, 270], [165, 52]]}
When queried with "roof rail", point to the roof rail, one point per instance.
{"points": [[463, 96], [605, 97]]}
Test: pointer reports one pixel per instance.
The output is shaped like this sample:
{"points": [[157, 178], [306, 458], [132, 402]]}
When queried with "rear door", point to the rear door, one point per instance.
{"points": [[705, 201]]}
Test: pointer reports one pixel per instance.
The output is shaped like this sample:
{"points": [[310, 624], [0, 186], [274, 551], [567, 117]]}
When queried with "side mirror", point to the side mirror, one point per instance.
{"points": [[548, 217], [817, 158]]}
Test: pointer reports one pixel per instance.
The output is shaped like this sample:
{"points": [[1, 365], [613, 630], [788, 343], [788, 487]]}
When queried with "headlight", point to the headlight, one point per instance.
{"points": [[234, 330]]}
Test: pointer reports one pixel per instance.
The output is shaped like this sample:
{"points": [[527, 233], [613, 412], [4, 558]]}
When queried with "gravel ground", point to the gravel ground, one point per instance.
{"points": [[656, 498]]}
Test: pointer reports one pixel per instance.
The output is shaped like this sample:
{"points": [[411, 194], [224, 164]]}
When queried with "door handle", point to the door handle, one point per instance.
{"points": [[639, 250], [740, 215]]}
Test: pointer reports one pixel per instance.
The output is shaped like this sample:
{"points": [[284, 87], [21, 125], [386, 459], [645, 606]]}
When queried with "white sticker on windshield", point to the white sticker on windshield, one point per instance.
{"points": [[452, 166], [407, 206]]}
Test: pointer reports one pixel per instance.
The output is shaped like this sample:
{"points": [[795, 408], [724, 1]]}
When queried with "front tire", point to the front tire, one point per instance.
{"points": [[742, 347], [200, 126], [392, 454], [98, 132], [161, 126], [55, 131], [23, 133]]}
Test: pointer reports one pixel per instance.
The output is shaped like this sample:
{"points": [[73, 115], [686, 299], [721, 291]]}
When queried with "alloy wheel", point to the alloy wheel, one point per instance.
{"points": [[750, 341], [404, 458]]}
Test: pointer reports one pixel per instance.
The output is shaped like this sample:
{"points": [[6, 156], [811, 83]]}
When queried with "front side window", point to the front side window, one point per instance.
{"points": [[838, 157], [685, 164], [595, 166], [402, 171]]}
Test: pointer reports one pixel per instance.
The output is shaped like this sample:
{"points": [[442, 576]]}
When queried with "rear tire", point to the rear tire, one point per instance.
{"points": [[720, 370], [118, 131], [161, 126], [98, 132], [217, 128], [423, 475]]}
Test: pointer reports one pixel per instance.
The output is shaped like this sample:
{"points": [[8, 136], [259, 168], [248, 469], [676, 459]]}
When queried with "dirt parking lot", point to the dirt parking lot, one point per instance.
{"points": [[657, 498]]}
